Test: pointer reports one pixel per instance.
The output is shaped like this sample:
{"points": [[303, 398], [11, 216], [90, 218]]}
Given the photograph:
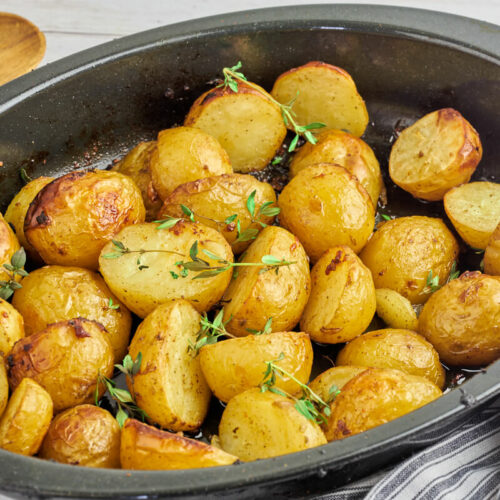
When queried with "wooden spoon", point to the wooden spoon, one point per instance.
{"points": [[22, 46]]}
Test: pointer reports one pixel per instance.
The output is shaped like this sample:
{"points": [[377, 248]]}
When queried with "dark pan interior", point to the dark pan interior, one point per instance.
{"points": [[90, 109]]}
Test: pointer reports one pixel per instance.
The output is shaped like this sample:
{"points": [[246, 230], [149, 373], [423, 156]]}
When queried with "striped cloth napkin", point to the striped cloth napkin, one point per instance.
{"points": [[465, 465]]}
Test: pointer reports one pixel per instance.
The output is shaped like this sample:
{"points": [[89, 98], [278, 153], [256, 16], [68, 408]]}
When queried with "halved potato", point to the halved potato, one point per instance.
{"points": [[259, 424], [170, 386], [247, 123], [4, 387], [436, 153], [9, 245], [342, 300], [235, 365], [327, 384], [474, 210], [395, 310], [11, 327], [26, 419], [492, 254], [185, 154], [147, 448], [257, 294], [323, 93], [214, 199]]}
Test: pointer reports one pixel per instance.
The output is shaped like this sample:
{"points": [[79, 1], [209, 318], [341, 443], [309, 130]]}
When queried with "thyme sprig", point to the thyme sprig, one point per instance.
{"points": [[233, 75], [13, 269], [210, 332], [432, 282]]}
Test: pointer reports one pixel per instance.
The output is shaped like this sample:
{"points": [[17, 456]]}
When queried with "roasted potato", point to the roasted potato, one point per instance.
{"points": [[474, 210], [26, 419], [462, 320], [11, 327], [74, 216], [4, 387], [170, 386], [259, 424], [136, 165], [342, 300], [65, 359], [394, 348], [492, 254], [9, 245], [247, 123], [258, 294], [323, 93], [148, 273], [403, 253], [327, 384], [56, 293], [235, 365], [17, 209], [395, 310], [374, 397], [185, 154], [215, 199], [345, 150], [438, 152], [325, 206], [84, 435]]}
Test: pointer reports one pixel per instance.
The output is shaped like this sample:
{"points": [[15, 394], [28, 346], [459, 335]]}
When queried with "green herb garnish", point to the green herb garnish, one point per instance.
{"points": [[15, 268]]}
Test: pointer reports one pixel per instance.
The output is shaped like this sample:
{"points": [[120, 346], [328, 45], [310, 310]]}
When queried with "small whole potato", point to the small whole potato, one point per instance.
{"points": [[374, 397], [395, 310], [57, 293], [65, 359], [403, 252], [462, 320], [74, 216], [325, 206], [185, 154], [84, 435], [9, 245], [492, 254], [11, 327], [394, 348], [342, 300], [4, 387]]}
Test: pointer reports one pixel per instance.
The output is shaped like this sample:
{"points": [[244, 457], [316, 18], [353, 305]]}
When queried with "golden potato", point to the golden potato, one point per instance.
{"points": [[9, 245], [185, 154], [17, 209], [462, 320], [374, 397], [325, 206], [170, 386], [148, 274], [438, 152], [259, 424], [147, 448], [492, 254], [57, 293], [395, 310], [73, 217], [65, 359], [394, 348], [342, 300], [26, 419], [4, 387], [281, 294], [247, 123], [11, 327], [345, 150], [136, 165], [474, 210], [235, 365], [327, 384], [214, 199], [84, 435], [403, 252]]}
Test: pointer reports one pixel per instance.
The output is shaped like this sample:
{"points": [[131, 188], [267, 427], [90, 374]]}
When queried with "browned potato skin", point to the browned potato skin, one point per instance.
{"points": [[16, 212], [216, 198], [254, 297], [4, 387], [136, 165], [11, 327], [84, 435], [325, 206], [147, 448], [9, 245], [462, 320], [394, 348], [65, 360], [235, 365], [73, 217], [345, 150], [57, 293], [492, 254], [374, 397], [26, 419], [342, 300], [335, 377], [403, 251]]}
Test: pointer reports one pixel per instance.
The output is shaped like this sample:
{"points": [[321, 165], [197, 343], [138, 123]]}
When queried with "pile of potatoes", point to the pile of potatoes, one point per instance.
{"points": [[105, 246]]}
